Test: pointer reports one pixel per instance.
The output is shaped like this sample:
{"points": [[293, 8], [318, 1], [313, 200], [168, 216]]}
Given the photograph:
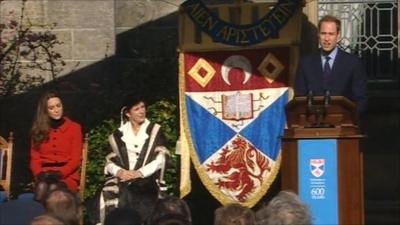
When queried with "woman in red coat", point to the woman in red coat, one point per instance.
{"points": [[56, 147]]}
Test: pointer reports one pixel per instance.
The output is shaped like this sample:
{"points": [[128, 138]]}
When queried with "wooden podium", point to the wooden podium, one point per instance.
{"points": [[321, 119]]}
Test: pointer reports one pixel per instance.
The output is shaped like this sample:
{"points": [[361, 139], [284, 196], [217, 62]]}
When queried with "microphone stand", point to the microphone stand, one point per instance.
{"points": [[318, 110]]}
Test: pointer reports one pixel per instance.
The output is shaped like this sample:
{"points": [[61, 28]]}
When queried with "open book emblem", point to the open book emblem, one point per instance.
{"points": [[237, 106]]}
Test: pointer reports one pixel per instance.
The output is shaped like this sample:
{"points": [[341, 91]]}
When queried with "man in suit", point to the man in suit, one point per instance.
{"points": [[332, 71]]}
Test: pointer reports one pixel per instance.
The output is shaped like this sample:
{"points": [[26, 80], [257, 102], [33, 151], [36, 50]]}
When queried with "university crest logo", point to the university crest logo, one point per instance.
{"points": [[317, 167], [233, 117]]}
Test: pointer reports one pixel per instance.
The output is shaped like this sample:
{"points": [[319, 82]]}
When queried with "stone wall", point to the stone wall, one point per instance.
{"points": [[111, 48], [87, 28], [107, 42]]}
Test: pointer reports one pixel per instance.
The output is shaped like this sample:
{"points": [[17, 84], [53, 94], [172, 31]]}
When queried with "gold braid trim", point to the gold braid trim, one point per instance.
{"points": [[185, 182], [187, 148]]}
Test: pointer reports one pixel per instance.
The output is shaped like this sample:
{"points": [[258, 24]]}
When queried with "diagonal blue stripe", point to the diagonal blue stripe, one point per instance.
{"points": [[208, 132], [265, 131]]}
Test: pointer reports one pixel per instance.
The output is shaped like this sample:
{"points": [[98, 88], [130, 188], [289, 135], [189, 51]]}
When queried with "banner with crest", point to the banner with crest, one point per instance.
{"points": [[232, 117]]}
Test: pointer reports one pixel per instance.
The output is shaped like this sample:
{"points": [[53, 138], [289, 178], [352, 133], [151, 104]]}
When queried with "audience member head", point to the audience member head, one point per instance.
{"points": [[284, 209], [234, 214], [46, 220], [123, 216], [171, 220], [64, 205], [171, 211]]}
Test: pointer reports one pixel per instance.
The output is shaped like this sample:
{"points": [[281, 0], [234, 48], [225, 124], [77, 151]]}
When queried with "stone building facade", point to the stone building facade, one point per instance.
{"points": [[113, 47], [89, 28]]}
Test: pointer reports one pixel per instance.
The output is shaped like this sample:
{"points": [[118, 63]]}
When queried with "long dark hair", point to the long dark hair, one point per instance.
{"points": [[41, 122]]}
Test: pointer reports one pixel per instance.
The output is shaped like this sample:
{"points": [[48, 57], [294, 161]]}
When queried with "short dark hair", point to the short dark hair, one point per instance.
{"points": [[171, 210], [132, 100], [129, 102], [123, 216], [173, 219], [330, 18]]}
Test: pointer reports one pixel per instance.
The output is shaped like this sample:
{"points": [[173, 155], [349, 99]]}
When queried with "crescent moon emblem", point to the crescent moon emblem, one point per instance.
{"points": [[236, 61]]}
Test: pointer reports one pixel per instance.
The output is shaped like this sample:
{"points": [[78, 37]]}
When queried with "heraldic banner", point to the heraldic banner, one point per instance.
{"points": [[232, 117]]}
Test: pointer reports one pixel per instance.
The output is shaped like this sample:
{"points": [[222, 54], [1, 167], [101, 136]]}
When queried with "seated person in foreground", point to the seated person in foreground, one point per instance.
{"points": [[234, 214], [123, 216], [46, 220], [64, 205], [285, 208], [137, 153], [171, 210]]}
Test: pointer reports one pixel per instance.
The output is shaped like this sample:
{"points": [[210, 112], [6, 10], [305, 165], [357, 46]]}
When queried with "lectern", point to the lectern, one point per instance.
{"points": [[322, 160]]}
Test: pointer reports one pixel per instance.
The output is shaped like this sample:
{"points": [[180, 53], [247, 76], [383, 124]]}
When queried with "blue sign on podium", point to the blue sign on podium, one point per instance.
{"points": [[318, 179]]}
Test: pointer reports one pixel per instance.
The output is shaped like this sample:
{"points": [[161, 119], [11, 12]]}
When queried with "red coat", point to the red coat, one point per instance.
{"points": [[63, 146]]}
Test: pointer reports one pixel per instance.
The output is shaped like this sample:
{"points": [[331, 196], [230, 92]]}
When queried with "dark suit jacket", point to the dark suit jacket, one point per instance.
{"points": [[348, 78]]}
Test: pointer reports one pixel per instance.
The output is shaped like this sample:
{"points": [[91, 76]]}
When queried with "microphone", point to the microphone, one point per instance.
{"points": [[310, 98], [327, 98]]}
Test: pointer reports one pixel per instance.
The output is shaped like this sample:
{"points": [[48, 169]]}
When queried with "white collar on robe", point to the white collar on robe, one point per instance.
{"points": [[129, 137]]}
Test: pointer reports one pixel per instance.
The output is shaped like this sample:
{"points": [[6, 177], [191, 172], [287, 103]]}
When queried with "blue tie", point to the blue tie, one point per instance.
{"points": [[327, 68]]}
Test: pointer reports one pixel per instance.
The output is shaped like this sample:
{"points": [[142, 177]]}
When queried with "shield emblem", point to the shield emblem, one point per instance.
{"points": [[317, 167], [232, 114]]}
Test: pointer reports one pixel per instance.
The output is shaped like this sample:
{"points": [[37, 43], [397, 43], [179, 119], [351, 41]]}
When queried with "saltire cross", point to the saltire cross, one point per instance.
{"points": [[232, 117]]}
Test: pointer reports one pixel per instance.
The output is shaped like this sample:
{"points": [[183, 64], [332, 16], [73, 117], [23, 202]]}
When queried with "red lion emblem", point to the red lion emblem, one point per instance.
{"points": [[241, 165]]}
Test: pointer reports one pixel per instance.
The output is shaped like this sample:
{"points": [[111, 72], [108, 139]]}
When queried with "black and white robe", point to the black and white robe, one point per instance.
{"points": [[142, 193]]}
